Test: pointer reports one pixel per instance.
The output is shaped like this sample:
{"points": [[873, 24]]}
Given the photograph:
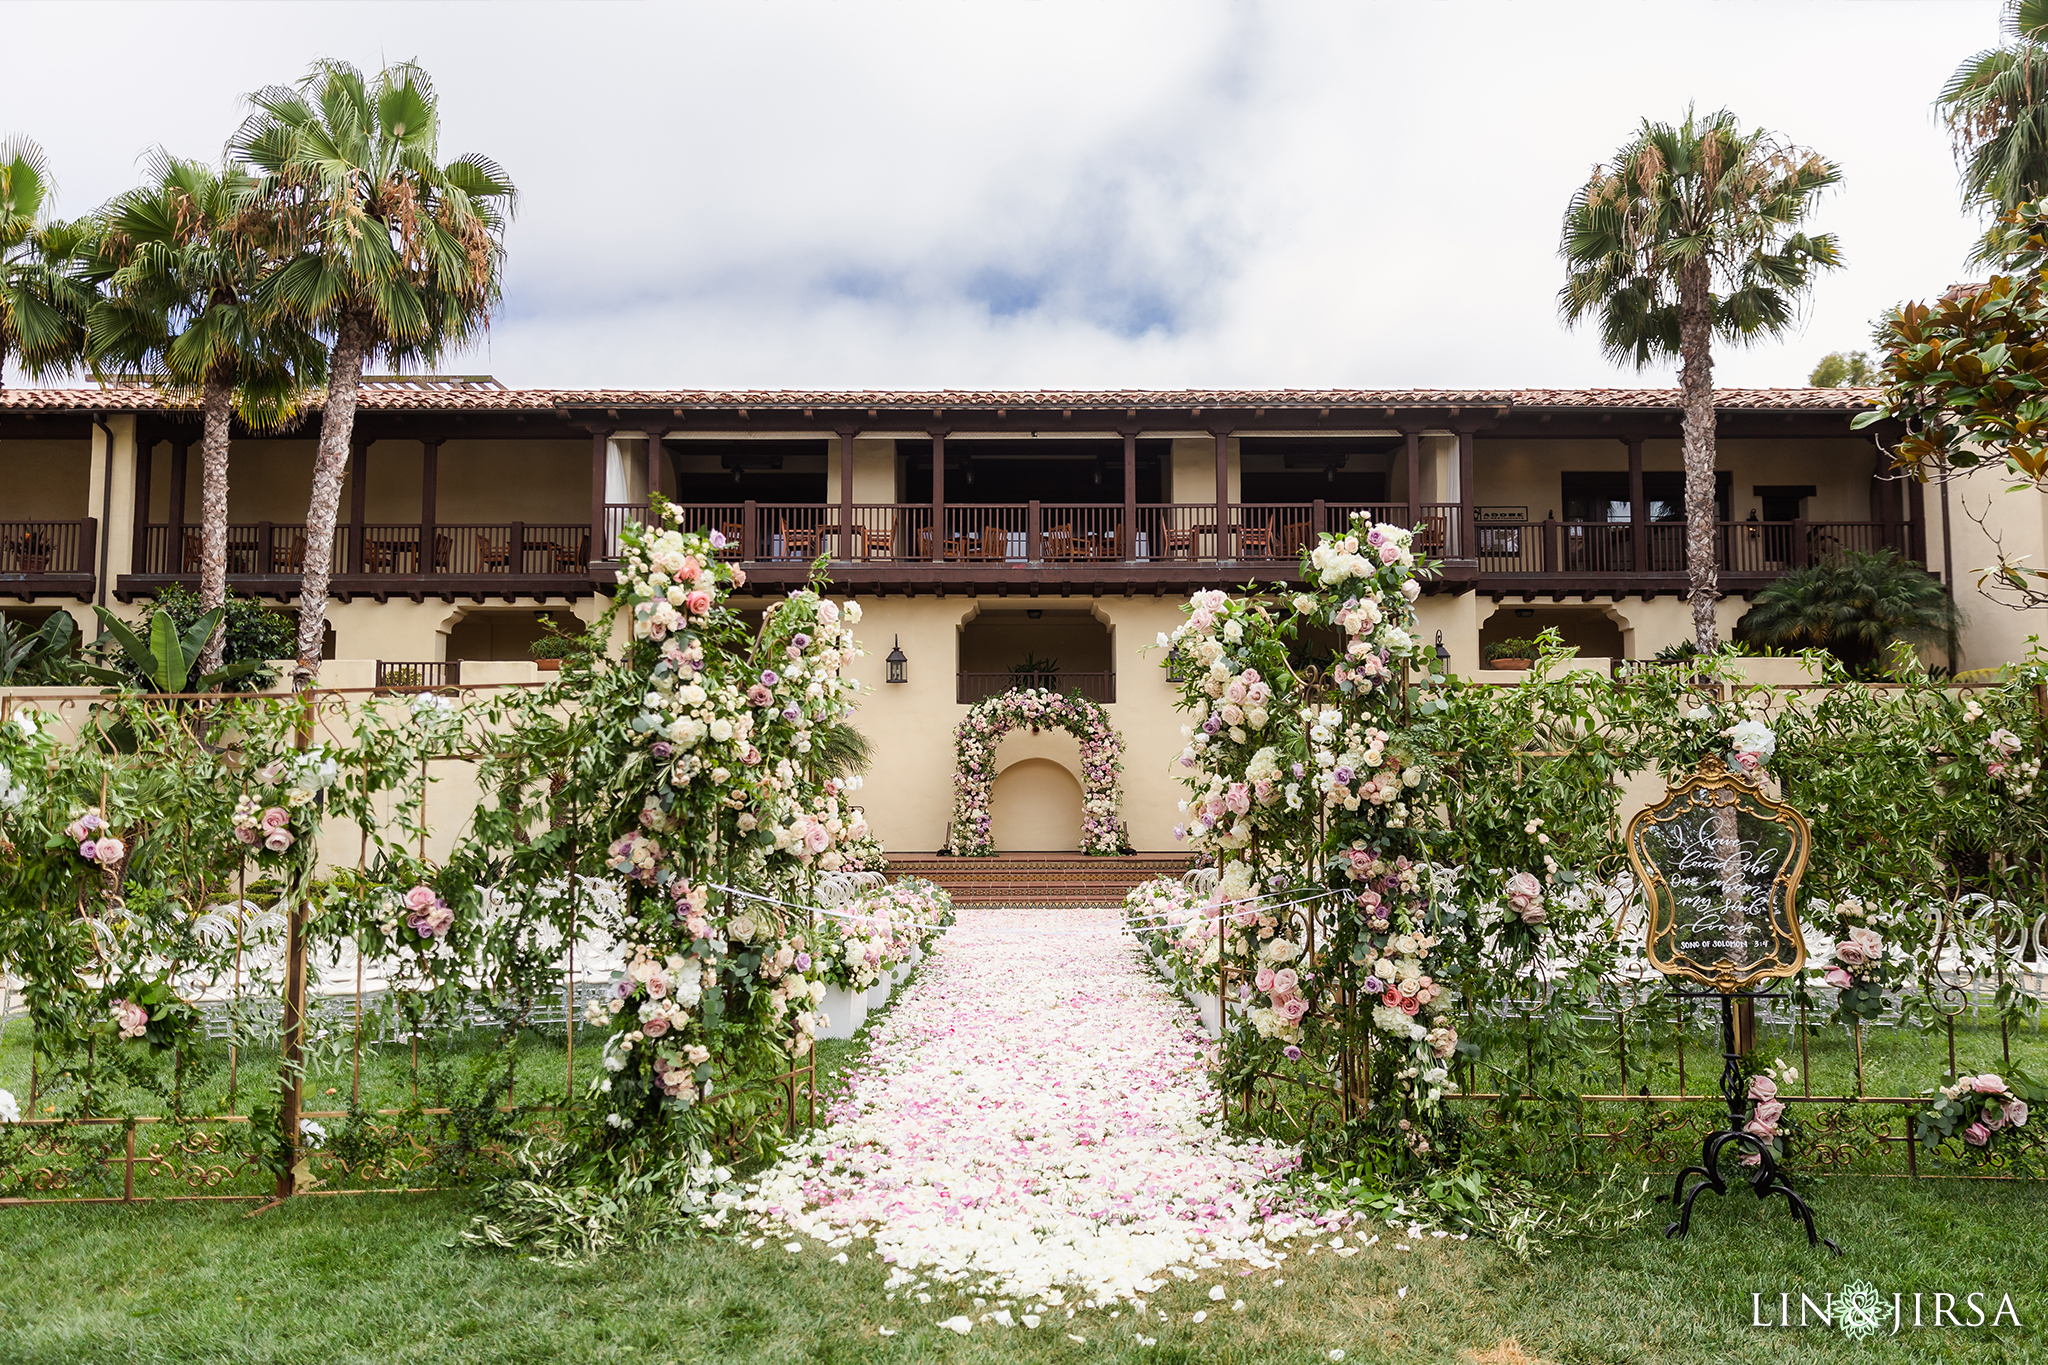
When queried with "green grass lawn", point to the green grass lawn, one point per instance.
{"points": [[372, 1279]]}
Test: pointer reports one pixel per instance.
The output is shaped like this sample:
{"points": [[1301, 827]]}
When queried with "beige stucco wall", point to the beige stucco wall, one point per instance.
{"points": [[1036, 807], [45, 480], [1995, 633], [909, 791], [1191, 472], [476, 481], [874, 471]]}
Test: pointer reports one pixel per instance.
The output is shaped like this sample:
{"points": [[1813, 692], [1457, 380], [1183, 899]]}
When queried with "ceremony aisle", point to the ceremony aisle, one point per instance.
{"points": [[1027, 1125]]}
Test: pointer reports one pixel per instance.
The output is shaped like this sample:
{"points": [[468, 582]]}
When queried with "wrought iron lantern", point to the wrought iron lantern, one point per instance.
{"points": [[896, 661]]}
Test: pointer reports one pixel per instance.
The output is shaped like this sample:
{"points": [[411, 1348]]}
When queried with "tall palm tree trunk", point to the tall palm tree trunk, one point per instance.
{"points": [[337, 428], [217, 404], [1696, 400]]}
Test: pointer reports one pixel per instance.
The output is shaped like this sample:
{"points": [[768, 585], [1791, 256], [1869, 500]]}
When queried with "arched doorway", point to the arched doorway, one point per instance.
{"points": [[1036, 807]]}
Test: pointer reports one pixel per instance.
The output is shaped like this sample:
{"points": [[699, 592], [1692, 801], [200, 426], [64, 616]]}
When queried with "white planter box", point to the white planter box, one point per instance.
{"points": [[845, 1012], [1211, 1007], [879, 993]]}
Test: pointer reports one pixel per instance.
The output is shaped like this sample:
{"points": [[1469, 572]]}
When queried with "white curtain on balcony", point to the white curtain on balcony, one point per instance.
{"points": [[625, 471]]}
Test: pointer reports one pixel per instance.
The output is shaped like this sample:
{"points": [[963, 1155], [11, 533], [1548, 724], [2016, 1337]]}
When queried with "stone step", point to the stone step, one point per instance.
{"points": [[1039, 879]]}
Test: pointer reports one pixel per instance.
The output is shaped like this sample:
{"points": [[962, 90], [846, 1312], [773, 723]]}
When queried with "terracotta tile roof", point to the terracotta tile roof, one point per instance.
{"points": [[478, 399]]}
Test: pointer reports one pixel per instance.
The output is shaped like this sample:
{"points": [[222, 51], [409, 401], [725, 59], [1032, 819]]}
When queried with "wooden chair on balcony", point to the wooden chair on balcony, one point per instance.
{"points": [[1255, 542], [194, 551], [290, 557], [993, 545], [1178, 543], [1295, 537], [444, 545], [734, 533], [1431, 540], [798, 542], [877, 542], [1061, 547], [490, 556], [573, 558]]}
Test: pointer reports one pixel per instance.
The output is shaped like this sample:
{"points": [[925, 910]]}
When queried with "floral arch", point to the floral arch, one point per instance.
{"points": [[974, 777]]}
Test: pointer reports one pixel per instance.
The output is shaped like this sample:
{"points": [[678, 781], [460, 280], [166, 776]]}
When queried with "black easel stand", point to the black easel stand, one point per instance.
{"points": [[1768, 1179]]}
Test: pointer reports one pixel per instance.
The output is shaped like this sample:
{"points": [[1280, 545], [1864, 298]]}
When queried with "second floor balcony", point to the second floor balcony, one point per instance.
{"points": [[1034, 540], [49, 558], [413, 558]]}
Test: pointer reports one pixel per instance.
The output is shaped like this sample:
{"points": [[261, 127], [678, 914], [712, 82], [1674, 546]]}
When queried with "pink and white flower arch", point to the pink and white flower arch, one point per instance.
{"points": [[983, 729]]}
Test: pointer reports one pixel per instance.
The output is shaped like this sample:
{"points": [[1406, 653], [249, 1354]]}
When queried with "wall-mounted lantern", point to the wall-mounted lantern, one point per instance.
{"points": [[1443, 656], [896, 661]]}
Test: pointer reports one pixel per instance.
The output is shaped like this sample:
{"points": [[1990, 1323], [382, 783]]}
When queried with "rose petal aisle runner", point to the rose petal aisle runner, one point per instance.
{"points": [[1027, 1124]]}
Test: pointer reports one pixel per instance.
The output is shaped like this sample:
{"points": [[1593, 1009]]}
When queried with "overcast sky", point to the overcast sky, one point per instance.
{"points": [[1036, 195]]}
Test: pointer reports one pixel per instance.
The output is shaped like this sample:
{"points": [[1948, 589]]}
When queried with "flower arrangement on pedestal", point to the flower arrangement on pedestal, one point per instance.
{"points": [[983, 728]]}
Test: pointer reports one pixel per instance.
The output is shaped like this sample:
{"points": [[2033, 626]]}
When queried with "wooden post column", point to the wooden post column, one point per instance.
{"points": [[1468, 533], [1414, 438], [145, 458], [1222, 494], [1130, 535], [174, 552], [600, 548], [938, 495], [358, 502], [845, 538], [1638, 510], [654, 439], [430, 481]]}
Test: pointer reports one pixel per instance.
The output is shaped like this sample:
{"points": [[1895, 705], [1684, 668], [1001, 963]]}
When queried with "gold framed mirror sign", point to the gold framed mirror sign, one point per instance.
{"points": [[1719, 864]]}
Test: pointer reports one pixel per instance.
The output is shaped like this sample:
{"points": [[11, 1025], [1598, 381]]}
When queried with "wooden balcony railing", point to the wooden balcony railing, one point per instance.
{"points": [[1607, 547], [398, 674], [1098, 687], [616, 516], [267, 548], [33, 549], [1036, 532]]}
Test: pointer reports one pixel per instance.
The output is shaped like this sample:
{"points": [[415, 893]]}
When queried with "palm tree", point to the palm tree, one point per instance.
{"points": [[392, 252], [1853, 605], [181, 261], [1996, 109], [42, 300], [1690, 231]]}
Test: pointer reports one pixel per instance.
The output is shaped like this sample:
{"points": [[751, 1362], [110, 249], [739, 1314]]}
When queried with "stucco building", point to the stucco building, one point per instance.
{"points": [[983, 530]]}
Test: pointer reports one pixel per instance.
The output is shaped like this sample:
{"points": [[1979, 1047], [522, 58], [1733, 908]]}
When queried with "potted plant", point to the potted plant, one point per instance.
{"points": [[554, 645], [1512, 654], [1037, 672]]}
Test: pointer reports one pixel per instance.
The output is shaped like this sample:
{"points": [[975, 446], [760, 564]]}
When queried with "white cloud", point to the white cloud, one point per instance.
{"points": [[1058, 194]]}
